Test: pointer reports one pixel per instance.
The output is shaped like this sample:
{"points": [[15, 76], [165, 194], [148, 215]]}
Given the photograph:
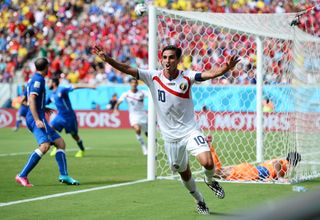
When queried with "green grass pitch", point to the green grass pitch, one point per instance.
{"points": [[113, 157]]}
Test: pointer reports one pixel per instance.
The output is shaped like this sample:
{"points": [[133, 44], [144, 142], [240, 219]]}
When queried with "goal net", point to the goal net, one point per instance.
{"points": [[265, 108]]}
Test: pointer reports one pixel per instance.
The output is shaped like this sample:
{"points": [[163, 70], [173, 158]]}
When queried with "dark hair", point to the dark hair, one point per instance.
{"points": [[55, 80], [293, 158], [41, 64], [172, 47]]}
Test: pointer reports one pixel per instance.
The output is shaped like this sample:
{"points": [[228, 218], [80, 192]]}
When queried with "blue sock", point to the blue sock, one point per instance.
{"points": [[62, 162], [18, 122], [32, 162]]}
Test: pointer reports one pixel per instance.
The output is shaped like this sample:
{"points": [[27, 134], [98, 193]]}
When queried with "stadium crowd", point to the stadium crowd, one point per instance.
{"points": [[65, 31]]}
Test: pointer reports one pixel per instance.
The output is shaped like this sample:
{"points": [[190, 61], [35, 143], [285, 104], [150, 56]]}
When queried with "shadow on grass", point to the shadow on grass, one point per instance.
{"points": [[221, 216], [224, 214]]}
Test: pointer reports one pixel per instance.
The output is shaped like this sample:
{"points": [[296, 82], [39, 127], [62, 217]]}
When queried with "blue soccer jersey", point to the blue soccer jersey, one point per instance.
{"points": [[60, 97], [66, 117], [36, 86]]}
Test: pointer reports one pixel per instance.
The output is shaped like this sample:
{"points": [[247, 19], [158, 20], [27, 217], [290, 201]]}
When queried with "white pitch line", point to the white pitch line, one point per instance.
{"points": [[27, 153], [71, 193]]}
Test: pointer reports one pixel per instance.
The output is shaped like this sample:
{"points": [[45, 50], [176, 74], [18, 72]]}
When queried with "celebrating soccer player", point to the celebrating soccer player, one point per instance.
{"points": [[171, 93], [66, 118], [137, 114], [40, 128]]}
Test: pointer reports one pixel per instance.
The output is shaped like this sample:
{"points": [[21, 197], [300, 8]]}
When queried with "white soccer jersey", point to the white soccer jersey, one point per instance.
{"points": [[173, 102], [137, 114]]}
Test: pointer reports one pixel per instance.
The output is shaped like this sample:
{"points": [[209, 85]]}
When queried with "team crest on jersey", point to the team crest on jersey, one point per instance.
{"points": [[183, 86], [36, 84]]}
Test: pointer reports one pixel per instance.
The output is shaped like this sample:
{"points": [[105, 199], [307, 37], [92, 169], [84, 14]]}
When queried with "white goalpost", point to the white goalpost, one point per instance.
{"points": [[265, 108]]}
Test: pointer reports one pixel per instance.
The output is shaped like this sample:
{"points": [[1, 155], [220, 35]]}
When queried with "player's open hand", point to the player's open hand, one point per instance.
{"points": [[99, 51], [39, 124], [233, 62]]}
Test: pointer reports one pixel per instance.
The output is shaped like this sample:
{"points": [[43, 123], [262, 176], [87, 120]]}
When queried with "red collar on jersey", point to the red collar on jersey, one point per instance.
{"points": [[185, 95]]}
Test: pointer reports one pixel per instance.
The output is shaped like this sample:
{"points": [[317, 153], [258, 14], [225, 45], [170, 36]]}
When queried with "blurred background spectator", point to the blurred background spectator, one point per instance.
{"points": [[267, 105], [113, 101]]}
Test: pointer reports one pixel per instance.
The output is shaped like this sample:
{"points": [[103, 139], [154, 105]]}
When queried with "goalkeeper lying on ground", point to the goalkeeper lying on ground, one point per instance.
{"points": [[269, 170]]}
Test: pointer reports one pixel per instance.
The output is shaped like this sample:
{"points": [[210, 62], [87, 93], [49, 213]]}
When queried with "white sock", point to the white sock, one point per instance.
{"points": [[208, 175], [191, 186], [38, 151], [141, 141]]}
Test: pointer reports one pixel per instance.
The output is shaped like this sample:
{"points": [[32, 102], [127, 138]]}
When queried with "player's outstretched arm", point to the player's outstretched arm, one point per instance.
{"points": [[222, 70], [115, 64]]}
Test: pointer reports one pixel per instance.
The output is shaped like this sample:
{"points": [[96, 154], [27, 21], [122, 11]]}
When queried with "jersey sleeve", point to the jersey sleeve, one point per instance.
{"points": [[36, 87], [122, 97], [66, 90], [191, 75], [145, 76]]}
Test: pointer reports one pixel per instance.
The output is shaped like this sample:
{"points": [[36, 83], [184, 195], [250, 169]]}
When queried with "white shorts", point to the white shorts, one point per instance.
{"points": [[138, 119], [177, 152]]}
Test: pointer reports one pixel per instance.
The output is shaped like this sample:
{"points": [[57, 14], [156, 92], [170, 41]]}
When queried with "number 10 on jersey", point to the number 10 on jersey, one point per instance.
{"points": [[161, 96]]}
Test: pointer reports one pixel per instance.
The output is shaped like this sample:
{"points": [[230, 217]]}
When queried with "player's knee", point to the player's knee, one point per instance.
{"points": [[60, 144], [208, 164], [138, 131], [44, 147]]}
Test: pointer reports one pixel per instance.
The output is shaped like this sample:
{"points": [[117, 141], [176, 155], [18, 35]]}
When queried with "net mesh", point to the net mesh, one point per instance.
{"points": [[226, 107]]}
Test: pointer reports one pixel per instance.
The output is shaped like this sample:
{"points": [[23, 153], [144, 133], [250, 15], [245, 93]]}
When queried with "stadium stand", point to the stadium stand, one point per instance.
{"points": [[62, 31]]}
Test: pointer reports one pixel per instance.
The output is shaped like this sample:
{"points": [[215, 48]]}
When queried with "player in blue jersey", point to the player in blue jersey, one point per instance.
{"points": [[22, 111], [66, 118], [40, 128]]}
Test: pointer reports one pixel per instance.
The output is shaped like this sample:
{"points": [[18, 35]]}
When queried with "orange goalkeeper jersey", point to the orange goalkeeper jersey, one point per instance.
{"points": [[270, 165], [244, 171]]}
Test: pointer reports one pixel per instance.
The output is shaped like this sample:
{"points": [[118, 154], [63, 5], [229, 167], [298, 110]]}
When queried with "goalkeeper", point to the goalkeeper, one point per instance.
{"points": [[274, 169]]}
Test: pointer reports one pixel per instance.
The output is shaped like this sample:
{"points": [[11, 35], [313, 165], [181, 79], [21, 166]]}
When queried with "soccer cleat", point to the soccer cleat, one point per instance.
{"points": [[23, 181], [15, 129], [216, 188], [80, 153], [53, 152], [68, 180], [202, 208]]}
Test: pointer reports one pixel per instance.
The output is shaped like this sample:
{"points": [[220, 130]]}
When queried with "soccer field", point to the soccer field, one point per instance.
{"points": [[113, 186]]}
